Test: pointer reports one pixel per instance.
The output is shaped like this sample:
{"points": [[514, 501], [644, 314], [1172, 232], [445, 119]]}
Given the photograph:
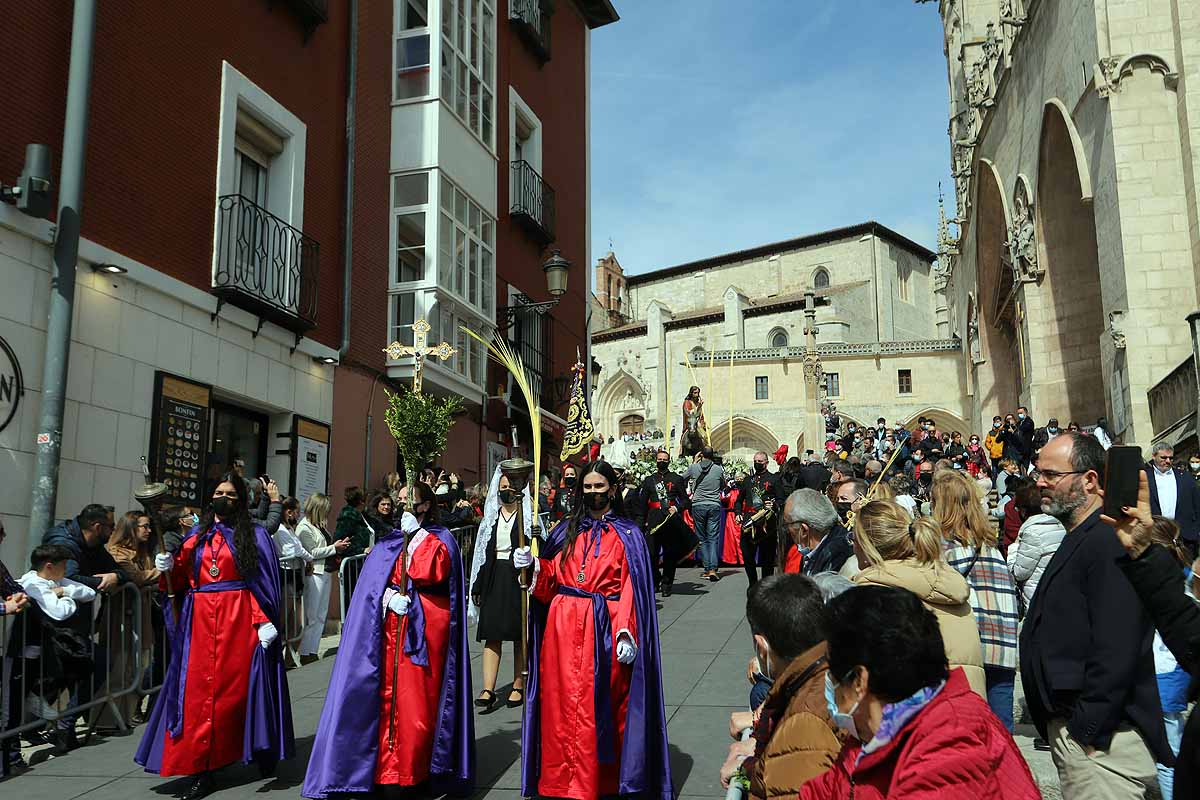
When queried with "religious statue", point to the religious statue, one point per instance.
{"points": [[695, 428], [1022, 241]]}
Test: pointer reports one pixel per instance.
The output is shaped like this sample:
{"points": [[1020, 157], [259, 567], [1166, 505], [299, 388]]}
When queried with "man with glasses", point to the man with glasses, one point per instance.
{"points": [[93, 566], [1174, 495], [1086, 659]]}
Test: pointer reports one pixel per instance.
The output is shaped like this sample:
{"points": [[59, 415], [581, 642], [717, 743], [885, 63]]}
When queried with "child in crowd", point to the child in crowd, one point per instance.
{"points": [[47, 584]]}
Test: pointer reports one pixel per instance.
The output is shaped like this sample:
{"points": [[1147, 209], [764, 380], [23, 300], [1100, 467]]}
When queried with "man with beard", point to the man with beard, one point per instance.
{"points": [[660, 506], [1086, 659], [758, 493]]}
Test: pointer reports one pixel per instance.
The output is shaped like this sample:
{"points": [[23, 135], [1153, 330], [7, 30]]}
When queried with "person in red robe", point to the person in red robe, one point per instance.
{"points": [[731, 544], [585, 737], [225, 699]]}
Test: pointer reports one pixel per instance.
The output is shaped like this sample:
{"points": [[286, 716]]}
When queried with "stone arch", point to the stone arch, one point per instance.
{"points": [[774, 334], [619, 397], [820, 278], [998, 368], [749, 436], [944, 420], [1067, 309]]}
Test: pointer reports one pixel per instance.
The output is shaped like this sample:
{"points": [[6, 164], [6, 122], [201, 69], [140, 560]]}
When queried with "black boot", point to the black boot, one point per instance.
{"points": [[202, 786]]}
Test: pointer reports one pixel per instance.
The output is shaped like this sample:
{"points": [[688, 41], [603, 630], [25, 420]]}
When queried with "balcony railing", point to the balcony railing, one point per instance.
{"points": [[532, 201], [311, 13], [532, 21], [264, 265], [1173, 399]]}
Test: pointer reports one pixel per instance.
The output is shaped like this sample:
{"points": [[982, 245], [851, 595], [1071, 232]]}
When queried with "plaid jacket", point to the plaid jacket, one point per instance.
{"points": [[994, 598]]}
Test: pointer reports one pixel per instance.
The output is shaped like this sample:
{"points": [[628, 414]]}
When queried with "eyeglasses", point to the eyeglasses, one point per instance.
{"points": [[1054, 476], [141, 525]]}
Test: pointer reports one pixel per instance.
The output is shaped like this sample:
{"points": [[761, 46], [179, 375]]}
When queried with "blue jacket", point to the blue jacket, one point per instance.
{"points": [[86, 562]]}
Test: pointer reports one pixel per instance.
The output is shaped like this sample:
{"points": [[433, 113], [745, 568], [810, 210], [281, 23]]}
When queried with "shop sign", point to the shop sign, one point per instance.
{"points": [[12, 385], [310, 460], [179, 437]]}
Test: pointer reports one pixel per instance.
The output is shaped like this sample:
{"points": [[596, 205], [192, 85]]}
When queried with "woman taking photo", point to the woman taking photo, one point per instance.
{"points": [[895, 550], [322, 551], [495, 593], [913, 727], [971, 551], [132, 547], [225, 697], [594, 718]]}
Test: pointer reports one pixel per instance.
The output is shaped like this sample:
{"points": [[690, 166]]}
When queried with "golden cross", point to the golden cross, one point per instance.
{"points": [[419, 350], [1020, 318]]}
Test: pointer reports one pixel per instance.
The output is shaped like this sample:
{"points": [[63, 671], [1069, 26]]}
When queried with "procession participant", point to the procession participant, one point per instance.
{"points": [[495, 592], [594, 718], [225, 696], [731, 501], [562, 505], [398, 709], [662, 502], [693, 438], [759, 492]]}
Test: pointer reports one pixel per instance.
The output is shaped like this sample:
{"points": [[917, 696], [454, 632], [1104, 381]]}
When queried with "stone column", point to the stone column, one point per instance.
{"points": [[814, 423], [1194, 325]]}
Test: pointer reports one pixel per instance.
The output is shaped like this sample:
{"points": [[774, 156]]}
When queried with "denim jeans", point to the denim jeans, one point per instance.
{"points": [[707, 517], [1000, 685], [1166, 775]]}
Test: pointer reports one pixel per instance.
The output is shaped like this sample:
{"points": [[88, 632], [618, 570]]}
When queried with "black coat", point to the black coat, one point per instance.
{"points": [[1086, 646], [1025, 429], [85, 561], [1187, 503], [813, 476], [831, 554], [1158, 580], [658, 492]]}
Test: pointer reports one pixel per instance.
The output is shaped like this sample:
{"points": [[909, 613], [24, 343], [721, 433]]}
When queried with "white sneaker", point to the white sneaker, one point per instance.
{"points": [[37, 706]]}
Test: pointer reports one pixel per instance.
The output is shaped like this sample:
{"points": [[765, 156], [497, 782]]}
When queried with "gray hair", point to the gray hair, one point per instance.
{"points": [[831, 584], [812, 508], [1160, 447]]}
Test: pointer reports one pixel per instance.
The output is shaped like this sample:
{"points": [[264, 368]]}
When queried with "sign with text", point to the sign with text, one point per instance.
{"points": [[12, 385], [179, 437], [310, 460]]}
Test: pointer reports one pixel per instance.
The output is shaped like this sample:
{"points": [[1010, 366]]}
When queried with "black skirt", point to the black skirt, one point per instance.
{"points": [[500, 604]]}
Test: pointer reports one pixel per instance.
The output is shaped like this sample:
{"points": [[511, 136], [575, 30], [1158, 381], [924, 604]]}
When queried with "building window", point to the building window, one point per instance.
{"points": [[904, 381], [760, 388], [821, 278], [833, 385], [410, 200], [412, 50], [468, 64], [778, 338], [466, 249], [905, 283]]}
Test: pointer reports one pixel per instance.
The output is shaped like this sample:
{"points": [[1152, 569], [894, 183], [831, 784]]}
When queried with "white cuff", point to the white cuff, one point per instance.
{"points": [[627, 634]]}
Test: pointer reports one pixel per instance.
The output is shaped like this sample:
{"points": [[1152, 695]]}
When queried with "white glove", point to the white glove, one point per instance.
{"points": [[267, 634], [399, 604], [522, 557], [626, 649], [409, 524], [163, 562]]}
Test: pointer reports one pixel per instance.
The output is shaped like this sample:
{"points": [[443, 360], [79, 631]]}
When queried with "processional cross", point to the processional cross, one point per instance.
{"points": [[419, 349]]}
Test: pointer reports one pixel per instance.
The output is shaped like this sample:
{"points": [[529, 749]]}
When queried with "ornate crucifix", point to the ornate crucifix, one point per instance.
{"points": [[419, 349], [1019, 327]]}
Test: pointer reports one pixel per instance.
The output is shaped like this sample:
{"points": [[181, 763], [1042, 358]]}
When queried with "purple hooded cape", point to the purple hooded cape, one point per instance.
{"points": [[268, 737], [345, 747], [645, 762]]}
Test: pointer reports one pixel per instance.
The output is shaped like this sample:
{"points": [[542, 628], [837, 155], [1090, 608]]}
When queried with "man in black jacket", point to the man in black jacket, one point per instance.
{"points": [[1025, 430], [811, 524], [1173, 495], [1086, 659], [661, 502], [758, 493], [92, 565]]}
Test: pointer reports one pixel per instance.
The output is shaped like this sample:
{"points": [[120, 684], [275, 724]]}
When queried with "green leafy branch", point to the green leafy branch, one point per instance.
{"points": [[420, 424]]}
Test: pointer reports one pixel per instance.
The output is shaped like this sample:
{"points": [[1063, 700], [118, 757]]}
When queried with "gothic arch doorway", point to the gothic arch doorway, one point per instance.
{"points": [[632, 424], [1069, 376], [749, 436], [999, 372]]}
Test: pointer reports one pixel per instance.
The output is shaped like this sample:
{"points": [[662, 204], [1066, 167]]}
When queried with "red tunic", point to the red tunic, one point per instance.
{"points": [[731, 546], [406, 760], [224, 636], [570, 762]]}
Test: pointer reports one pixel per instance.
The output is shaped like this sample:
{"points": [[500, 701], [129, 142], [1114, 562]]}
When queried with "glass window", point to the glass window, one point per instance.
{"points": [[445, 250], [466, 248], [833, 386], [760, 388], [821, 279], [460, 93], [447, 18], [486, 115], [779, 338], [468, 71], [410, 190], [460, 206], [412, 67], [464, 352], [403, 316], [460, 261], [410, 247], [904, 380], [447, 192], [473, 275], [434, 317], [413, 14]]}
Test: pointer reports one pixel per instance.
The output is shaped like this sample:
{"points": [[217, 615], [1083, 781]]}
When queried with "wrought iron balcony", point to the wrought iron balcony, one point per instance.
{"points": [[532, 201], [532, 19], [311, 13], [264, 265]]}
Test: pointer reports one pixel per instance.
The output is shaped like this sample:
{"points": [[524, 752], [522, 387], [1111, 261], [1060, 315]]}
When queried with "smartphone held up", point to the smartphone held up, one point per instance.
{"points": [[1123, 464]]}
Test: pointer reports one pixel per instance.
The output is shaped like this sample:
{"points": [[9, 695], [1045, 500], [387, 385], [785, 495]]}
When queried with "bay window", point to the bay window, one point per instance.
{"points": [[412, 50], [468, 64]]}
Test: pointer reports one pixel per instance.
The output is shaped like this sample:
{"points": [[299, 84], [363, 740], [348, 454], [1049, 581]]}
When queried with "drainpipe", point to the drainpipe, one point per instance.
{"points": [[348, 203], [66, 256]]}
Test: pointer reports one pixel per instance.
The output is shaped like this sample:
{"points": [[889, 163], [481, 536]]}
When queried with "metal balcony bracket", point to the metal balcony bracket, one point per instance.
{"points": [[522, 304], [213, 316], [261, 321], [295, 344]]}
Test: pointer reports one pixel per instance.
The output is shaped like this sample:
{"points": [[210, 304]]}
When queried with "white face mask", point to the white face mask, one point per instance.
{"points": [[764, 662], [443, 489], [842, 720]]}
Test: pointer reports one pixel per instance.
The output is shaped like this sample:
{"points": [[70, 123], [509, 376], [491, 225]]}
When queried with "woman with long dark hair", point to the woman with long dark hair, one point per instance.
{"points": [[225, 697], [594, 718]]}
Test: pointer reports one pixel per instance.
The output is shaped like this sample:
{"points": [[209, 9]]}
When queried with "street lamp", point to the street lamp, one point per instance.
{"points": [[556, 268], [557, 271]]}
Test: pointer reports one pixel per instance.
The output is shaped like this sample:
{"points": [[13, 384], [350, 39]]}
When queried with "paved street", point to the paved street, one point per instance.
{"points": [[705, 645]]}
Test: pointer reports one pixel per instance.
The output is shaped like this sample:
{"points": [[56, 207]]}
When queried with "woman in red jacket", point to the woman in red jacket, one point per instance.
{"points": [[915, 728]]}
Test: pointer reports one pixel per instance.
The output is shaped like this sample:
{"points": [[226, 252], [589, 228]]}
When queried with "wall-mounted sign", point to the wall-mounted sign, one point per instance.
{"points": [[310, 462], [179, 437], [12, 385]]}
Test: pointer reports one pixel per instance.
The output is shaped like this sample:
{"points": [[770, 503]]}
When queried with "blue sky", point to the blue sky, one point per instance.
{"points": [[721, 125]]}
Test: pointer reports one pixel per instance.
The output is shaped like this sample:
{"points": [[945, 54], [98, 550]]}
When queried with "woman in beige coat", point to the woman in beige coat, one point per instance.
{"points": [[896, 550]]}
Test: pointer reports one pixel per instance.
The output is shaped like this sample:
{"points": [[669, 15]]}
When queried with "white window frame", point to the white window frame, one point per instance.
{"points": [[399, 34], [485, 278], [393, 242], [766, 387], [519, 112], [469, 63]]}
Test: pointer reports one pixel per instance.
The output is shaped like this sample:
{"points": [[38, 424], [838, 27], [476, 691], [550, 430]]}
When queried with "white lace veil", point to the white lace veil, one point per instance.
{"points": [[483, 536]]}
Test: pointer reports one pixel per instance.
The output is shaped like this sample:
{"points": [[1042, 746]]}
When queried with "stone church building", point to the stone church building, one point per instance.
{"points": [[734, 325], [1073, 269]]}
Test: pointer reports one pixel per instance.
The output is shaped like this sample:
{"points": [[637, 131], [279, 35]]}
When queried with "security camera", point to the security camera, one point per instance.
{"points": [[31, 195]]}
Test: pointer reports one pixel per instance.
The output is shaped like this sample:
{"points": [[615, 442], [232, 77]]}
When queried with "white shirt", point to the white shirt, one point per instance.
{"points": [[1168, 491], [41, 591], [292, 554], [504, 536]]}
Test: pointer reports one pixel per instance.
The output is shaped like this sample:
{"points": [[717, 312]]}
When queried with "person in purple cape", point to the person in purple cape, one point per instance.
{"points": [[398, 709], [594, 719]]}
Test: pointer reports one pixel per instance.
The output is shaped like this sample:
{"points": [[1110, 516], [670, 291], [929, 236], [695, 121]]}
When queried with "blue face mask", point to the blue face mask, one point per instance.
{"points": [[843, 721]]}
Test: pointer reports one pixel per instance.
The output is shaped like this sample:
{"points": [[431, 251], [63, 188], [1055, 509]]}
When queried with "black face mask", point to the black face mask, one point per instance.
{"points": [[663, 466], [596, 501], [223, 507], [569, 480], [843, 510], [760, 467], [508, 496]]}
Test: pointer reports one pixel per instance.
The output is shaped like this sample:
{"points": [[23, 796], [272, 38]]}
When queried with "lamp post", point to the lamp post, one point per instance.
{"points": [[557, 270]]}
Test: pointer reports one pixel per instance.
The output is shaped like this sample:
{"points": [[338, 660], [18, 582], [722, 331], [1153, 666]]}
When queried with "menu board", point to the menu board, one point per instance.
{"points": [[179, 437], [310, 461]]}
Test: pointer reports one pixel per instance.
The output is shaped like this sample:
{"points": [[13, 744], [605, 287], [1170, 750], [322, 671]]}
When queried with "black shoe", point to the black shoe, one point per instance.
{"points": [[666, 590], [714, 576], [65, 740], [202, 786]]}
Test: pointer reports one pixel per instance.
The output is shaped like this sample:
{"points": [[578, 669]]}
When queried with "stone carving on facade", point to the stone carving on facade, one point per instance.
{"points": [[977, 86], [1022, 238], [1109, 72], [1116, 328], [991, 44], [1010, 14]]}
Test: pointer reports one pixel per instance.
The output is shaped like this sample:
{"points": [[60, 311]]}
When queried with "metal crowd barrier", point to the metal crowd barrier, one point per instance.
{"points": [[35, 691]]}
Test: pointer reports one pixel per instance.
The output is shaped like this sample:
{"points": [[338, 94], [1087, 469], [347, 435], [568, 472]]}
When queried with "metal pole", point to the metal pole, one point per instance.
{"points": [[62, 286]]}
